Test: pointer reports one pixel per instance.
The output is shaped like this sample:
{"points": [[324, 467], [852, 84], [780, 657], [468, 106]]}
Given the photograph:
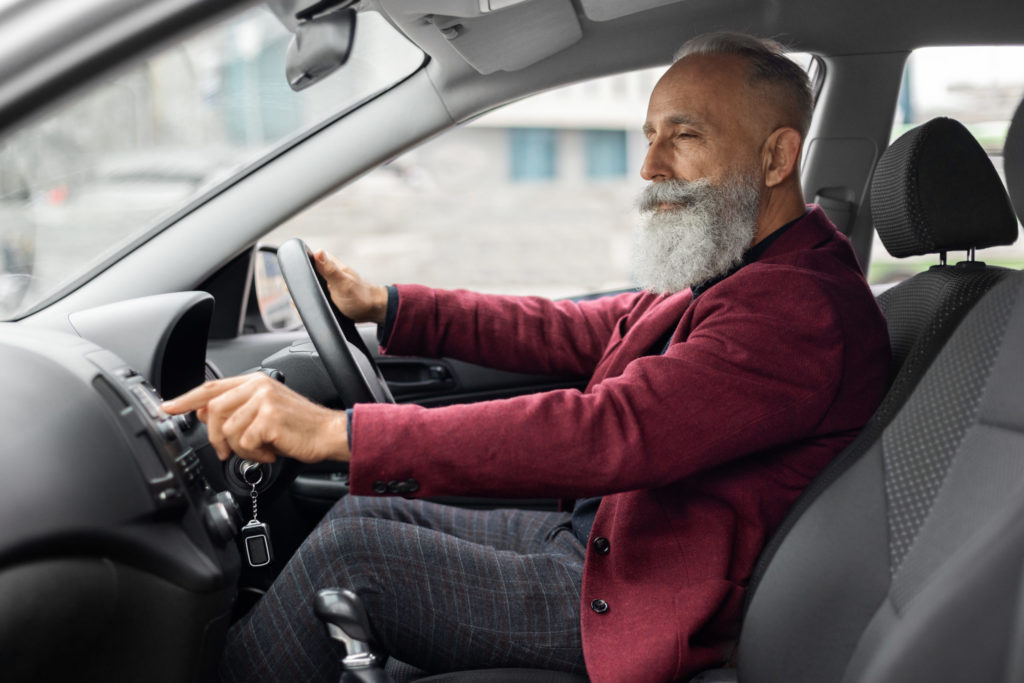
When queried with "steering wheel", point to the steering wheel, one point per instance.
{"points": [[350, 365]]}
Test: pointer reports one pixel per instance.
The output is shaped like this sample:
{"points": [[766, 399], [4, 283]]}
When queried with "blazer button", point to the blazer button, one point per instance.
{"points": [[601, 545], [407, 486], [380, 487], [599, 606]]}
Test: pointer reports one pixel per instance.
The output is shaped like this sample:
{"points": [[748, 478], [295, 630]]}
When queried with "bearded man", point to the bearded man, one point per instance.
{"points": [[754, 354]]}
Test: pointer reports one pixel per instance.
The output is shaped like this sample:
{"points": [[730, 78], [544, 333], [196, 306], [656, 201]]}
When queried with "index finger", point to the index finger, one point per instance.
{"points": [[201, 395]]}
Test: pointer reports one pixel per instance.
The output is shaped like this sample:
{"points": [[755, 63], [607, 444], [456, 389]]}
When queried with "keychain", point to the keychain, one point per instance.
{"points": [[255, 534]]}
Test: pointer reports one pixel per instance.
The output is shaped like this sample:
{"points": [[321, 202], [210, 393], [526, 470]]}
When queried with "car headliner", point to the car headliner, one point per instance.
{"points": [[647, 38]]}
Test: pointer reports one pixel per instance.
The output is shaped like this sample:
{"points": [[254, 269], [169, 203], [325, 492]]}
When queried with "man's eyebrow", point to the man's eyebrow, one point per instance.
{"points": [[676, 120], [684, 120]]}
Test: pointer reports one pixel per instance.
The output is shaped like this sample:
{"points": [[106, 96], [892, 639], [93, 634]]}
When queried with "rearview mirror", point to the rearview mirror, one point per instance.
{"points": [[322, 37]]}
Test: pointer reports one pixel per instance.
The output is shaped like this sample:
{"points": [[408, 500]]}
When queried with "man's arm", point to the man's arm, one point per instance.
{"points": [[761, 369], [515, 333], [522, 334]]}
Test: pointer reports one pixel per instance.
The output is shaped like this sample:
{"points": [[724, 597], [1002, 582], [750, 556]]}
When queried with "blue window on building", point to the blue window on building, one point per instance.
{"points": [[533, 153], [605, 153]]}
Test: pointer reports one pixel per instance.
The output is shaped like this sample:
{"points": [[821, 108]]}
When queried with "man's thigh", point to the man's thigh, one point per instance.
{"points": [[523, 531], [435, 599]]}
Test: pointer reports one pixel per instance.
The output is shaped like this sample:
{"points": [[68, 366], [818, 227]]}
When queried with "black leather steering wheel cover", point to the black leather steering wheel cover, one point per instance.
{"points": [[357, 379]]}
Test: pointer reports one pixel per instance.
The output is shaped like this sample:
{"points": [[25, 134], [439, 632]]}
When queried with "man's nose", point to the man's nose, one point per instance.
{"points": [[656, 164]]}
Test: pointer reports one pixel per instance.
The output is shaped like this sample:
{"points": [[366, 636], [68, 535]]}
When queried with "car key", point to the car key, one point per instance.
{"points": [[256, 534]]}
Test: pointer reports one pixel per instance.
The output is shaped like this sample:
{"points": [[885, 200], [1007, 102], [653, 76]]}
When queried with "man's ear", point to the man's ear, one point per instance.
{"points": [[781, 152]]}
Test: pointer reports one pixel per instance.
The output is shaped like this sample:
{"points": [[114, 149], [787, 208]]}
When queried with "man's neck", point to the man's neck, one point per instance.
{"points": [[781, 206]]}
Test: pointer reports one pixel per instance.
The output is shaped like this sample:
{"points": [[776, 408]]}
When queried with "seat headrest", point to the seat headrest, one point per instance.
{"points": [[1013, 160], [935, 190]]}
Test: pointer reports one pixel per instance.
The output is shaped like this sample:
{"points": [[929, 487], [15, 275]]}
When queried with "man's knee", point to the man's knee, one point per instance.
{"points": [[343, 540]]}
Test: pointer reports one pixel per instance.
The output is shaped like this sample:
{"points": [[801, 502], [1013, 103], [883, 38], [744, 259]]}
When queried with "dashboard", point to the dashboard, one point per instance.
{"points": [[117, 557]]}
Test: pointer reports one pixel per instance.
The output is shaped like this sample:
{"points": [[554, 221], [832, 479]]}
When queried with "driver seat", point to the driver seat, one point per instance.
{"points": [[903, 562], [910, 565]]}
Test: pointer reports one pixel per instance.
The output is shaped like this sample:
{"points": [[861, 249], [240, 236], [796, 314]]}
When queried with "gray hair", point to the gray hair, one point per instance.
{"points": [[770, 69]]}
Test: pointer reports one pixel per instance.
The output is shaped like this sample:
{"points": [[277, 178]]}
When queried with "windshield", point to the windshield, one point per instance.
{"points": [[110, 165]]}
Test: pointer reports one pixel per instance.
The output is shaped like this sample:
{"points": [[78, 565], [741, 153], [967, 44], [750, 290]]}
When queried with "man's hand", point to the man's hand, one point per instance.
{"points": [[359, 300], [259, 418]]}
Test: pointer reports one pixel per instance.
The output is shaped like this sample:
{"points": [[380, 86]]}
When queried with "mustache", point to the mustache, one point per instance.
{"points": [[673, 191]]}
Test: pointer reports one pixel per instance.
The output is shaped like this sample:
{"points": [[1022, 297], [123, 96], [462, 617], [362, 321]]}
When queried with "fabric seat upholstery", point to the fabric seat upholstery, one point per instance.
{"points": [[908, 567]]}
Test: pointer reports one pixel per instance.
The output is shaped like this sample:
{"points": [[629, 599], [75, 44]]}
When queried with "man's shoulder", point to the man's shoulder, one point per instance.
{"points": [[812, 250], [813, 239], [811, 279]]}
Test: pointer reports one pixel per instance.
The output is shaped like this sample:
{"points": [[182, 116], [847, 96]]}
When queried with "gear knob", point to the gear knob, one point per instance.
{"points": [[345, 618]]}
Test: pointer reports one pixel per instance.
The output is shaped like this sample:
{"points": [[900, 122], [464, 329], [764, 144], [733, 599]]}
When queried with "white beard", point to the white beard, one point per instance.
{"points": [[702, 238]]}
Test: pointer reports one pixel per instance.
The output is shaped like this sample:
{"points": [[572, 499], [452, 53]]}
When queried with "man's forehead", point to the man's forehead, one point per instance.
{"points": [[715, 67], [698, 89]]}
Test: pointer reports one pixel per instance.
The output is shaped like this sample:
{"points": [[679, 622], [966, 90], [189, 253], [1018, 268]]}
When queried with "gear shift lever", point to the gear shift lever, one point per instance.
{"points": [[345, 618]]}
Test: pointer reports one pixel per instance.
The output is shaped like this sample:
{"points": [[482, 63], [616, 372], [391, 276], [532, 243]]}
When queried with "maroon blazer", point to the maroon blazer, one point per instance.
{"points": [[699, 451]]}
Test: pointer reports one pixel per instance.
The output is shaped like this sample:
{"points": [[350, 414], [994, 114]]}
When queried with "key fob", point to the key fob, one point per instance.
{"points": [[256, 538]]}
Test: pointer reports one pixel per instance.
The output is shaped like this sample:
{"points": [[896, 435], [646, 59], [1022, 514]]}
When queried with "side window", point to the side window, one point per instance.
{"points": [[536, 197], [978, 86]]}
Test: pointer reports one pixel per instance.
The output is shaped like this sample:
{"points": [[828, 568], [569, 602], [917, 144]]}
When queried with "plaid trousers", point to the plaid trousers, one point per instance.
{"points": [[445, 589]]}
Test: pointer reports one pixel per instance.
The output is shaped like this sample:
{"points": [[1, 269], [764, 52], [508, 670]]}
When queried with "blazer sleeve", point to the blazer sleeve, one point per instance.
{"points": [[760, 367], [519, 334]]}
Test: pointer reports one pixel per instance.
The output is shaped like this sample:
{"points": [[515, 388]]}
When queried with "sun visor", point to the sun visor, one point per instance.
{"points": [[606, 10], [507, 35]]}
